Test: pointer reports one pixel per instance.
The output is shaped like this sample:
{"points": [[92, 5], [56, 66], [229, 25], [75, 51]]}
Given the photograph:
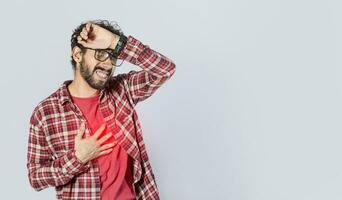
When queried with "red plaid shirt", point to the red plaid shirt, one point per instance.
{"points": [[51, 159]]}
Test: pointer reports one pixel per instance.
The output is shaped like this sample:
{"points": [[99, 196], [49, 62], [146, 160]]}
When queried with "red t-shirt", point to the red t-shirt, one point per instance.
{"points": [[116, 167]]}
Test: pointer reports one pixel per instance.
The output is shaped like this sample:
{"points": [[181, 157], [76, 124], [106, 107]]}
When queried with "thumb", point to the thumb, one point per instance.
{"points": [[81, 41], [80, 132]]}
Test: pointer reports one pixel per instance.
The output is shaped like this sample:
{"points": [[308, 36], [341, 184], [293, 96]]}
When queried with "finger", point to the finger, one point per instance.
{"points": [[107, 146], [105, 138], [80, 131], [84, 31], [83, 43], [99, 131], [105, 152], [94, 28], [84, 36], [79, 39], [88, 27], [87, 134]]}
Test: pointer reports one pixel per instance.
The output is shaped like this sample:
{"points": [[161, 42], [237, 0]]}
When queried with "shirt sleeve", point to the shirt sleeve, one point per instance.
{"points": [[43, 171], [156, 69]]}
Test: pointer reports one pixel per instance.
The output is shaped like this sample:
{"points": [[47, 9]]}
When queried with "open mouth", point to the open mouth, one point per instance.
{"points": [[102, 74]]}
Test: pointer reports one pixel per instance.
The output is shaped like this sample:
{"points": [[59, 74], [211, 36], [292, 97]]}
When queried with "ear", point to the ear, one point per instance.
{"points": [[77, 54]]}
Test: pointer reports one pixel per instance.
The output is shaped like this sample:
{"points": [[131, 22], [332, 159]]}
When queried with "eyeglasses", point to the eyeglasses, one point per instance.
{"points": [[103, 54]]}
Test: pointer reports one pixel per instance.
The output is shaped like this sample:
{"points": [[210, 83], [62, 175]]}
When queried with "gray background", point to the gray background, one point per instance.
{"points": [[253, 112]]}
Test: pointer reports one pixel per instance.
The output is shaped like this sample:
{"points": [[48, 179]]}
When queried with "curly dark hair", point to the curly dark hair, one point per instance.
{"points": [[111, 26]]}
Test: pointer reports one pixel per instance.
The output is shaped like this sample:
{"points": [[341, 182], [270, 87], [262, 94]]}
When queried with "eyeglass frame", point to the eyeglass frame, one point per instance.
{"points": [[111, 55]]}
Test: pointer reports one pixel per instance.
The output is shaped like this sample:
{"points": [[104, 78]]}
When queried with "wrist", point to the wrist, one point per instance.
{"points": [[120, 45], [79, 157], [114, 42]]}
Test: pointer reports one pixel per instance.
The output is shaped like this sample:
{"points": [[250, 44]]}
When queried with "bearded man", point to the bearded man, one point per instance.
{"points": [[85, 139]]}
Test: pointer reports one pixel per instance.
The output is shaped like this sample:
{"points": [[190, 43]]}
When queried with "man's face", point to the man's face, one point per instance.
{"points": [[94, 72]]}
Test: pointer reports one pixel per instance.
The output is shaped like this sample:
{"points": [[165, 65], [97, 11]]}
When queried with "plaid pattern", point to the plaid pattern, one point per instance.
{"points": [[51, 159]]}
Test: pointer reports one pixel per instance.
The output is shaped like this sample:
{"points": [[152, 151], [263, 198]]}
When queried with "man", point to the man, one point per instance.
{"points": [[85, 139]]}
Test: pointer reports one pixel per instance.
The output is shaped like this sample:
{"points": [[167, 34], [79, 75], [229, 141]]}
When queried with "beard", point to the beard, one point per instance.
{"points": [[89, 76]]}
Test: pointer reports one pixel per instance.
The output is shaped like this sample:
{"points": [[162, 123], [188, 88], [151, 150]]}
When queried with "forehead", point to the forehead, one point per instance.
{"points": [[89, 52], [97, 50]]}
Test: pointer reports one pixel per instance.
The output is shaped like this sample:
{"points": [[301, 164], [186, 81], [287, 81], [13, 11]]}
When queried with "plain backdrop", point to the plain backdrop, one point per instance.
{"points": [[253, 111]]}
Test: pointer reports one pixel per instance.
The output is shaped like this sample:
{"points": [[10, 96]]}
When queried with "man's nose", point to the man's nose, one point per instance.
{"points": [[107, 64]]}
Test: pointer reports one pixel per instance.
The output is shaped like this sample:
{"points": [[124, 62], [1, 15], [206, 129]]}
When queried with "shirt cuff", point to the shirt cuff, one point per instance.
{"points": [[72, 165], [132, 49]]}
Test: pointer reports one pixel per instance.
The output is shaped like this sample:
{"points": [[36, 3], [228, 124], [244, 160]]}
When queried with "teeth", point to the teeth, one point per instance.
{"points": [[102, 74]]}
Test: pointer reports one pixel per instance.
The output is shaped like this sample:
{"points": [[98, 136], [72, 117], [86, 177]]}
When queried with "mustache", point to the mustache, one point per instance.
{"points": [[103, 69]]}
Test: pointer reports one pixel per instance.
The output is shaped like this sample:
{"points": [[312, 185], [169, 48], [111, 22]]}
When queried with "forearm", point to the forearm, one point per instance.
{"points": [[156, 64], [156, 70], [55, 173]]}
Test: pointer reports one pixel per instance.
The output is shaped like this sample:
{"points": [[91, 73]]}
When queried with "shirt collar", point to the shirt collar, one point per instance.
{"points": [[65, 96]]}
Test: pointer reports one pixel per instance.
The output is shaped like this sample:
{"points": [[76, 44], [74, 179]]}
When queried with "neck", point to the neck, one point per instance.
{"points": [[80, 88]]}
